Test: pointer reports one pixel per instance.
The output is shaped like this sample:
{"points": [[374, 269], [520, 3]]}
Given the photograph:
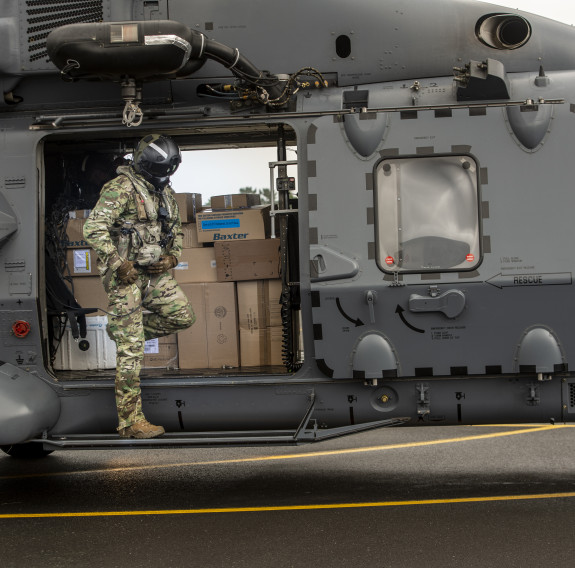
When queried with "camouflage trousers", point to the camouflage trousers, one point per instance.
{"points": [[152, 307]]}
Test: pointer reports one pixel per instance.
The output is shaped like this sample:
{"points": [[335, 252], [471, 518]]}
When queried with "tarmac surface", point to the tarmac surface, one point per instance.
{"points": [[477, 496]]}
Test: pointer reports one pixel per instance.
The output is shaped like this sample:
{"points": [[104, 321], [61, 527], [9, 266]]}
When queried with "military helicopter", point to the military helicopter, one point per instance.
{"points": [[425, 243]]}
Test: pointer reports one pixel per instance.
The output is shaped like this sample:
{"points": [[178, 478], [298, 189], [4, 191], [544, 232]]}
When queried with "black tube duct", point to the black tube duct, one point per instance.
{"points": [[142, 51], [241, 67], [147, 51]]}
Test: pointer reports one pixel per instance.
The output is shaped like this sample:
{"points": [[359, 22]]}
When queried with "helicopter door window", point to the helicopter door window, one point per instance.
{"points": [[427, 214]]}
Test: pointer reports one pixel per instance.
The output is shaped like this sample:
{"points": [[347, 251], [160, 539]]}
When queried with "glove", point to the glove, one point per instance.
{"points": [[165, 263], [126, 272]]}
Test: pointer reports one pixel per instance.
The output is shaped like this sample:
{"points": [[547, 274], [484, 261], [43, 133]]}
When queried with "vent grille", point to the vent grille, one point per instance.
{"points": [[572, 395], [43, 16]]}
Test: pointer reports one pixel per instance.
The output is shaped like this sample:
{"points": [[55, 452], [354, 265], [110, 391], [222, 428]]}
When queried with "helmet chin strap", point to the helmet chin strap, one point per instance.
{"points": [[159, 184]]}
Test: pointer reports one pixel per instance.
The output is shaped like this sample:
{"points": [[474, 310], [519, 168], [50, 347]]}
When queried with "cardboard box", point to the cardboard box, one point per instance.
{"points": [[82, 262], [189, 204], [89, 293], [273, 307], [251, 305], [260, 347], [253, 347], [274, 345], [190, 234], [235, 201], [193, 341], [258, 303], [75, 234], [234, 224], [212, 342], [101, 353], [161, 353], [196, 265], [247, 260], [79, 214], [221, 325]]}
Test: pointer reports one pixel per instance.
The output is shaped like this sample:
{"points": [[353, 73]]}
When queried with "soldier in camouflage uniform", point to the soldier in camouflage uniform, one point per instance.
{"points": [[136, 230]]}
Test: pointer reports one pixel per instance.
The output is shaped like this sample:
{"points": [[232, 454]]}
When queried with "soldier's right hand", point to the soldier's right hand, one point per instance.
{"points": [[127, 273]]}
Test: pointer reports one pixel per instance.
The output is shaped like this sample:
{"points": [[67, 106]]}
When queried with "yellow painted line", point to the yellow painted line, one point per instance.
{"points": [[307, 455], [520, 425], [569, 495]]}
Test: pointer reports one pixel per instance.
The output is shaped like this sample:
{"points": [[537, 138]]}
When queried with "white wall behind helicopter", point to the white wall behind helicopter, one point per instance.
{"points": [[218, 172], [560, 10]]}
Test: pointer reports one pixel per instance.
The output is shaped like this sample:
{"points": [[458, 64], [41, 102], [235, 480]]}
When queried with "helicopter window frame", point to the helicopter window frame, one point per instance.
{"points": [[428, 214]]}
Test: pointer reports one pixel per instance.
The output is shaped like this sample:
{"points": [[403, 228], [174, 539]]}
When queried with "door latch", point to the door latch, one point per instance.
{"points": [[371, 299]]}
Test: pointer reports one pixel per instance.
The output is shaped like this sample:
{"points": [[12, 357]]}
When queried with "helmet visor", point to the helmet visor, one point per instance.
{"points": [[162, 169]]}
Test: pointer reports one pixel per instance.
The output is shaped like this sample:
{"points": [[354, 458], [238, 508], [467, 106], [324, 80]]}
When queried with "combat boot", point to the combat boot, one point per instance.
{"points": [[142, 429]]}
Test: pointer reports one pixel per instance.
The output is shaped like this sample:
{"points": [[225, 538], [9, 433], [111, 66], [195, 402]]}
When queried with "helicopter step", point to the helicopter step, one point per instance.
{"points": [[209, 439]]}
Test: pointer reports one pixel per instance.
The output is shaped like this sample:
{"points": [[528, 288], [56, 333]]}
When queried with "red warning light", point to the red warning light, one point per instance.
{"points": [[21, 328], [389, 260]]}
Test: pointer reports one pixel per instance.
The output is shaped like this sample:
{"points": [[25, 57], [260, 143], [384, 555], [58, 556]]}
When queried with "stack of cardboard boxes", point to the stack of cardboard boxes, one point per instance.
{"points": [[87, 288], [229, 270], [82, 264], [246, 261], [260, 322], [164, 352], [89, 292], [212, 341]]}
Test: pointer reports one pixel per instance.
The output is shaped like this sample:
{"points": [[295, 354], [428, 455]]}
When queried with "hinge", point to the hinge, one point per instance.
{"points": [[423, 405], [533, 397]]}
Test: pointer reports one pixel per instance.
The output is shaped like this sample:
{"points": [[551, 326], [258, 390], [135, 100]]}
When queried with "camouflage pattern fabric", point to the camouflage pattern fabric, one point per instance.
{"points": [[117, 204], [169, 309], [170, 312]]}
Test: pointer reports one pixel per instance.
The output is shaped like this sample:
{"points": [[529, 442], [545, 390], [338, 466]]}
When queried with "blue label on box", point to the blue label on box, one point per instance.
{"points": [[210, 224]]}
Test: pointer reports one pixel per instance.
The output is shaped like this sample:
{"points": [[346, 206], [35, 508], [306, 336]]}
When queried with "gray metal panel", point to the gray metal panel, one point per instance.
{"points": [[385, 36], [456, 401], [523, 280], [28, 406]]}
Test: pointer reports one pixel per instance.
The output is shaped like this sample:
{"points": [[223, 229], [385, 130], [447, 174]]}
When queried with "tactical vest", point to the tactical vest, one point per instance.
{"points": [[146, 238]]}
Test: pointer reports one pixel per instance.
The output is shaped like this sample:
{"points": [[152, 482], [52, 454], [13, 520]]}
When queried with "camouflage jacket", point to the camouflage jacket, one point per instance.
{"points": [[120, 202]]}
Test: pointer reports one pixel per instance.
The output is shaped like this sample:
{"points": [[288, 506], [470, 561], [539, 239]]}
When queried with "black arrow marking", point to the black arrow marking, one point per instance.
{"points": [[357, 321], [496, 283], [399, 310]]}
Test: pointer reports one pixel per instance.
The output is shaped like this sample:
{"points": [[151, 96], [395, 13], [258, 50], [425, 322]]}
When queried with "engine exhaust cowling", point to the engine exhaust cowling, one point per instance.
{"points": [[503, 31]]}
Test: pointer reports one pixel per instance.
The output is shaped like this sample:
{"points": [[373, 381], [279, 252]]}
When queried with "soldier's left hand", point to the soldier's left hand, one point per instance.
{"points": [[165, 263]]}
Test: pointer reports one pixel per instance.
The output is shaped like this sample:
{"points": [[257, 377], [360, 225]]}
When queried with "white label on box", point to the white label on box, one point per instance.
{"points": [[152, 347], [79, 214], [82, 261], [96, 323], [213, 264], [181, 266]]}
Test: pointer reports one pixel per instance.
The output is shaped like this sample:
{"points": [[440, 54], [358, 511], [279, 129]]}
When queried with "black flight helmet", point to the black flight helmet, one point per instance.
{"points": [[157, 157]]}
